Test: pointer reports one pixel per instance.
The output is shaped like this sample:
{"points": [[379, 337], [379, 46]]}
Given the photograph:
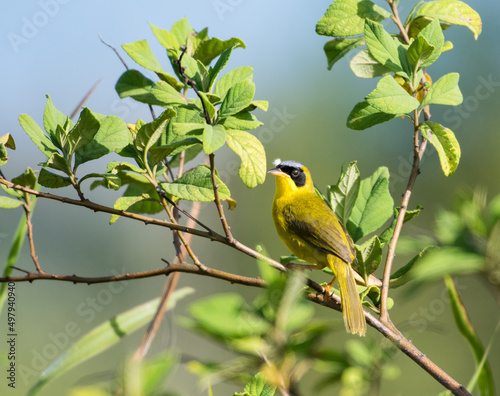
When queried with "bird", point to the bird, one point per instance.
{"points": [[312, 232]]}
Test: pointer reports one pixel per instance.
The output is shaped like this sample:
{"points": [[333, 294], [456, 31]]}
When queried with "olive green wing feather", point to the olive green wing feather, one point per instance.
{"points": [[318, 226]]}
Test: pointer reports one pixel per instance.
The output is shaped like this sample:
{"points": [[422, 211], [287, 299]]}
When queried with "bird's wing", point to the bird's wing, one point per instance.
{"points": [[321, 229]]}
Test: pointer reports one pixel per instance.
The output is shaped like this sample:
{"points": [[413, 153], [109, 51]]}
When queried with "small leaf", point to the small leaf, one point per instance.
{"points": [[419, 52], [9, 203], [158, 153], [181, 30], [337, 48], [124, 203], [454, 12], [347, 17], [210, 49], [208, 106], [464, 325], [84, 130], [52, 118], [141, 52], [384, 49], [214, 138], [134, 84], [26, 179], [389, 231], [196, 185], [244, 73], [369, 256], [445, 143], [112, 135], [444, 91], [219, 65], [373, 205], [8, 141], [166, 95], [37, 135], [149, 133], [434, 36], [166, 39], [343, 195], [238, 97], [364, 65], [404, 274], [390, 97], [52, 180], [242, 121], [253, 157], [103, 337], [57, 161], [364, 116], [258, 387]]}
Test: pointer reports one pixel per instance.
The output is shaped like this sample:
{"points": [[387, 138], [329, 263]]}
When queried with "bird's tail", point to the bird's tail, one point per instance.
{"points": [[352, 309]]}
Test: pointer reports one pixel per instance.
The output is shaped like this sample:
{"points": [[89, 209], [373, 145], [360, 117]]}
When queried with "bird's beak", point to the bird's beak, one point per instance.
{"points": [[277, 172]]}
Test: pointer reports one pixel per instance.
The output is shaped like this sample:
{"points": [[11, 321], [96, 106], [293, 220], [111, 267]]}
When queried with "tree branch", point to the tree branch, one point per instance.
{"points": [[220, 209]]}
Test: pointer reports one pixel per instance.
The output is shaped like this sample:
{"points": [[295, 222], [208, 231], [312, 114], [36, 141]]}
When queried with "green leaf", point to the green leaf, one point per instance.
{"points": [[219, 65], [384, 49], [464, 325], [166, 39], [15, 249], [210, 49], [52, 180], [183, 128], [160, 152], [434, 36], [235, 76], [389, 231], [196, 185], [445, 143], [149, 133], [109, 180], [134, 84], [84, 130], [373, 205], [337, 48], [58, 162], [104, 336], [8, 141], [238, 97], [446, 260], [125, 202], [36, 135], [258, 104], [369, 256], [227, 315], [258, 387], [342, 196], [347, 17], [454, 12], [364, 116], [141, 53], [113, 135], [419, 52], [444, 91], [253, 157], [9, 203], [181, 30], [404, 274], [209, 107], [364, 65], [214, 138], [51, 119], [242, 121], [26, 179], [390, 97], [166, 95]]}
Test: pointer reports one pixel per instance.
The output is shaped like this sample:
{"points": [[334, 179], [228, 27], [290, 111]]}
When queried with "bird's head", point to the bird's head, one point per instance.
{"points": [[292, 176]]}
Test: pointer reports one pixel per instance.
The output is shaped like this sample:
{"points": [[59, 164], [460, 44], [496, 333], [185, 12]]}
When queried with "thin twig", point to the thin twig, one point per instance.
{"points": [[220, 209], [115, 50], [29, 224], [397, 20], [85, 98]]}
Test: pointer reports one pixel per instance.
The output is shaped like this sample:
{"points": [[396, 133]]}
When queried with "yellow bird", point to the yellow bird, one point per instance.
{"points": [[312, 232]]}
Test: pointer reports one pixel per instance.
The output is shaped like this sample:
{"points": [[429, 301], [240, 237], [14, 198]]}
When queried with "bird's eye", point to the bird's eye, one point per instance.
{"points": [[295, 173]]}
